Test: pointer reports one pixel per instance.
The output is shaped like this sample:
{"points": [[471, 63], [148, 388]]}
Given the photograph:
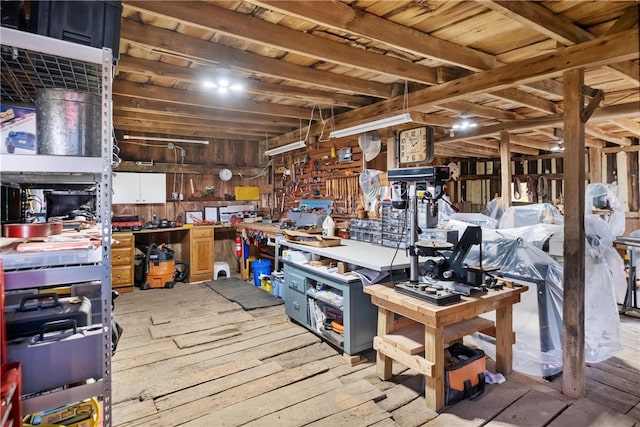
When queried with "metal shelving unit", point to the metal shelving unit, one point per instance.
{"points": [[30, 62]]}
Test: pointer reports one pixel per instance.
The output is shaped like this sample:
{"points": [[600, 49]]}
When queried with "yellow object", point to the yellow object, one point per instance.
{"points": [[81, 414], [247, 193], [265, 285], [245, 272], [333, 151]]}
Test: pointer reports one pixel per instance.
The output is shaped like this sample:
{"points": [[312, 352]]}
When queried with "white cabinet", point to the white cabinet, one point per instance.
{"points": [[131, 188]]}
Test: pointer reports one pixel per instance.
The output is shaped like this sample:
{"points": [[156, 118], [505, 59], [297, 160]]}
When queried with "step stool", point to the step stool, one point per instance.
{"points": [[219, 266]]}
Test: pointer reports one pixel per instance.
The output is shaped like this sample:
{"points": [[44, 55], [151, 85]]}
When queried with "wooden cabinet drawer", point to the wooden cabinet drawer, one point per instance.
{"points": [[199, 232], [122, 240], [121, 256], [121, 275]]}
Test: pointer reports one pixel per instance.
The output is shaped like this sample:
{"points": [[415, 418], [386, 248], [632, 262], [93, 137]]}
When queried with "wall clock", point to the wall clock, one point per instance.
{"points": [[225, 174], [414, 145]]}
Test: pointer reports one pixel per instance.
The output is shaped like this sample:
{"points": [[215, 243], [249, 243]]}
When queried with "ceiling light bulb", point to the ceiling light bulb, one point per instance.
{"points": [[236, 87], [210, 85], [223, 90], [223, 82]]}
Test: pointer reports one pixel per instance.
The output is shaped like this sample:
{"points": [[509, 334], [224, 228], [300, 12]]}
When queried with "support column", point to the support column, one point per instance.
{"points": [[505, 170], [573, 381], [595, 165]]}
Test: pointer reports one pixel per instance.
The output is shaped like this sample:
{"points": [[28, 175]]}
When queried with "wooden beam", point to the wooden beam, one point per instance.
{"points": [[187, 129], [153, 118], [161, 40], [631, 149], [609, 49], [132, 65], [130, 89], [535, 15], [255, 30], [595, 165], [342, 17], [628, 125], [505, 171], [527, 99], [142, 105], [607, 136], [573, 381], [465, 107]]}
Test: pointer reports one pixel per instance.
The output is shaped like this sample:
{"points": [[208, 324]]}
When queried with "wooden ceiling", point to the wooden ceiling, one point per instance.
{"points": [[308, 67]]}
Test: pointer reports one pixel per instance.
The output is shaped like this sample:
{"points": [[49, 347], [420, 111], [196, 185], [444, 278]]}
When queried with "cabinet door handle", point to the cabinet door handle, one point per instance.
{"points": [[295, 284], [296, 306]]}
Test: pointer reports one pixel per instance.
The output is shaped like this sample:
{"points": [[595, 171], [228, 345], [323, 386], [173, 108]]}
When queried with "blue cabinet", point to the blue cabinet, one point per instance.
{"points": [[358, 314]]}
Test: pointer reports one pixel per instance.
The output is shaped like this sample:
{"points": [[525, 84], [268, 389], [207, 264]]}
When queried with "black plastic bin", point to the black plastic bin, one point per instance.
{"points": [[91, 23]]}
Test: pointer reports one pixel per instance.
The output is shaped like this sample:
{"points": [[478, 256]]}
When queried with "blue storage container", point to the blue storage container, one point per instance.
{"points": [[260, 266]]}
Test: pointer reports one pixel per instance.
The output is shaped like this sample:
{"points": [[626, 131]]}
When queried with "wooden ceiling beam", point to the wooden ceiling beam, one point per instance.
{"points": [[607, 136], [189, 127], [198, 121], [141, 105], [255, 30], [184, 131], [171, 42], [495, 145], [535, 15], [343, 18], [465, 107], [530, 142], [526, 99], [130, 64], [535, 123], [125, 88], [628, 125], [608, 49]]}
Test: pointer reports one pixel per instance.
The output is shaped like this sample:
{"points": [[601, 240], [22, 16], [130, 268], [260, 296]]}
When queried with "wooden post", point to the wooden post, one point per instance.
{"points": [[595, 165], [573, 382], [384, 364], [505, 170]]}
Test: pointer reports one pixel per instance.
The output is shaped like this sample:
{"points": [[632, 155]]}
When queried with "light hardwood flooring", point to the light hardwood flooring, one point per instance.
{"points": [[189, 357]]}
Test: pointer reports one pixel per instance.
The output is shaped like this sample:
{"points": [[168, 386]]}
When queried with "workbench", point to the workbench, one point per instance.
{"points": [[425, 329], [193, 245]]}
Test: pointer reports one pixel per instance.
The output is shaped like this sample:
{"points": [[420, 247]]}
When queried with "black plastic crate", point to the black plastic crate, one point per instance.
{"points": [[91, 23]]}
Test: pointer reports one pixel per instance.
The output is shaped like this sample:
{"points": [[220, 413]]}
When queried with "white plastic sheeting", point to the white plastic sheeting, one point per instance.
{"points": [[537, 319]]}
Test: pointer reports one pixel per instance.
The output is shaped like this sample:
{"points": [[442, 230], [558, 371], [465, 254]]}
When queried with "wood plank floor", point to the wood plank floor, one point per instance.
{"points": [[189, 357]]}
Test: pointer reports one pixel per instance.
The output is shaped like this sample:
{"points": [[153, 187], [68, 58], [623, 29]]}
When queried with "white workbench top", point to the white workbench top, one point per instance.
{"points": [[367, 255]]}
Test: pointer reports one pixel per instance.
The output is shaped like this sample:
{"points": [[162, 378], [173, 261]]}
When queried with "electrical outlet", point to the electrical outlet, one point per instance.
{"points": [[174, 196], [180, 196]]}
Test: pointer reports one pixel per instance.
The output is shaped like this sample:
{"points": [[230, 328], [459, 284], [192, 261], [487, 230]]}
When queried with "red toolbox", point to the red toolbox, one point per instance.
{"points": [[35, 310]]}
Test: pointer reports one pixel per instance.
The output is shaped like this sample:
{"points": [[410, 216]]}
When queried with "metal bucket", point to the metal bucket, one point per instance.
{"points": [[68, 123]]}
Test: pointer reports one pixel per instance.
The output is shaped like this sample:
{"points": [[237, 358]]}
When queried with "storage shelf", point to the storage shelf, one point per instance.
{"points": [[28, 63], [62, 397], [41, 169]]}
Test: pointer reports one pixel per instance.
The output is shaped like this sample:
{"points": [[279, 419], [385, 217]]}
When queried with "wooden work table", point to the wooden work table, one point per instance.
{"points": [[194, 245], [426, 328]]}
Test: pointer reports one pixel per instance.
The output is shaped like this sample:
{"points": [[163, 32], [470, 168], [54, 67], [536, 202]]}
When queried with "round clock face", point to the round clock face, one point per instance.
{"points": [[413, 145], [225, 174]]}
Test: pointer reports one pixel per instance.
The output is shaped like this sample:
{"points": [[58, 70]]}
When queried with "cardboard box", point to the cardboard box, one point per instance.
{"points": [[18, 130], [316, 240]]}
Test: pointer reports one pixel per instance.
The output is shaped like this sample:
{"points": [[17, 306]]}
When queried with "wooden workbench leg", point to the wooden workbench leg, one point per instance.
{"points": [[384, 364], [434, 352], [504, 339]]}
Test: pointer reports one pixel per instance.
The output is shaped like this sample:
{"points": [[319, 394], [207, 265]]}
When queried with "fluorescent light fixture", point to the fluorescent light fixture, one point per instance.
{"points": [[159, 139], [285, 148], [376, 124]]}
